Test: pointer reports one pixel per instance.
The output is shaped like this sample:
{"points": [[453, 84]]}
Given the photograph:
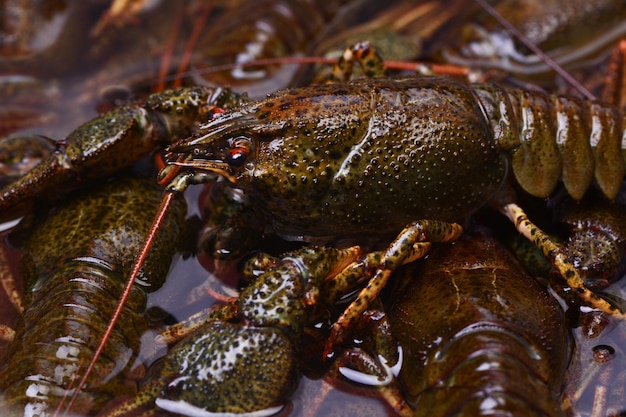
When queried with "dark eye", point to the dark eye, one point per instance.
{"points": [[238, 153]]}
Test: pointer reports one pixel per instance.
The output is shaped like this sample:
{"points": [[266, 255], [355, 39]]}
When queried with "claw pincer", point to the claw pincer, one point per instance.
{"points": [[114, 141], [243, 359]]}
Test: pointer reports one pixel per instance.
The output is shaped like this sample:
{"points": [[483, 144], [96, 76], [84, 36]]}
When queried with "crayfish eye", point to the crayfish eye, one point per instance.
{"points": [[238, 152]]}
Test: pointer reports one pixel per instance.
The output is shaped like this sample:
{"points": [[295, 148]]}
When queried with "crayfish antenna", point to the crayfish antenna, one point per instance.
{"points": [[137, 264]]}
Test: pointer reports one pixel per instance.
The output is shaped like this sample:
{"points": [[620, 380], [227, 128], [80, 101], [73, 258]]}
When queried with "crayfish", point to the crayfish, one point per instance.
{"points": [[73, 291], [368, 157], [358, 161], [498, 345]]}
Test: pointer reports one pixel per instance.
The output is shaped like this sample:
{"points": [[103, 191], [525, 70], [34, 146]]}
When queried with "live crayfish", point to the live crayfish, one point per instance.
{"points": [[132, 130], [491, 360], [317, 161], [72, 292], [475, 354]]}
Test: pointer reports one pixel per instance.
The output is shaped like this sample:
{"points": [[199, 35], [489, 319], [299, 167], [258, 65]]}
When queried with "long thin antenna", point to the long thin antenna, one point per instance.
{"points": [[139, 260]]}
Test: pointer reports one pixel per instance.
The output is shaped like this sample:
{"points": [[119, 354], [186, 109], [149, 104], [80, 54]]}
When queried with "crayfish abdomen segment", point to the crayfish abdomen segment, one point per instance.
{"points": [[75, 264], [552, 138], [469, 350]]}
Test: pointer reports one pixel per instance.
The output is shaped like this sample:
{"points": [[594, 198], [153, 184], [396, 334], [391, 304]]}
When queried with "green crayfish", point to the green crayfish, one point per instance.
{"points": [[362, 160]]}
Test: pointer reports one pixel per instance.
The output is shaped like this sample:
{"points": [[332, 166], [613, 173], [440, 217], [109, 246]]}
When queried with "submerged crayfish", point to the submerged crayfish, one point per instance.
{"points": [[74, 276], [483, 338], [368, 157], [361, 160], [506, 346]]}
